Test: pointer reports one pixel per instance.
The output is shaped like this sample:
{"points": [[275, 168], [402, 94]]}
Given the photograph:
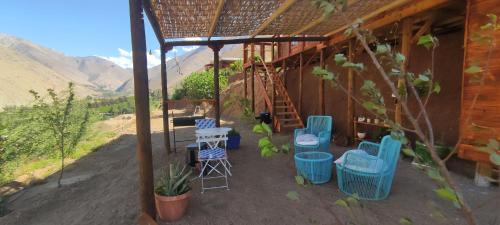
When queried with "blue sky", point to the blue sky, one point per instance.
{"points": [[78, 27]]}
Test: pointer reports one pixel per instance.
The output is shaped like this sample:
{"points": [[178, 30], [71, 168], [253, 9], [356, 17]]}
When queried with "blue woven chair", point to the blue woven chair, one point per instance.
{"points": [[316, 167], [321, 127], [369, 171]]}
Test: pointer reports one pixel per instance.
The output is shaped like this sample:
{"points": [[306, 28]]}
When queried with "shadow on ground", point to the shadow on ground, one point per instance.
{"points": [[102, 188]]}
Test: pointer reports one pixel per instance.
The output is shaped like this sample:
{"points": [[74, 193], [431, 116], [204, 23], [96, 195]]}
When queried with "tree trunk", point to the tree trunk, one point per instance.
{"points": [[62, 163]]}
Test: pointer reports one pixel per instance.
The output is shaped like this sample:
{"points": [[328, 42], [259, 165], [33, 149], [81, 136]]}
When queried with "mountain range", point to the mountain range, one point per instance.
{"points": [[28, 66]]}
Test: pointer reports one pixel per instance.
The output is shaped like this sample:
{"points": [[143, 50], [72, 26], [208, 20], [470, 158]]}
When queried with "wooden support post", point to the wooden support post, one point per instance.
{"points": [[405, 50], [141, 96], [350, 88], [289, 48], [245, 77], [283, 68], [252, 83], [272, 51], [245, 53], [280, 48], [216, 49], [321, 89], [164, 95], [263, 52], [301, 80]]}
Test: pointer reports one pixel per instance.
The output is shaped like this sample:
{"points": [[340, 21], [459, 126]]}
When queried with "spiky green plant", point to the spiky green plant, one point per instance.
{"points": [[174, 182]]}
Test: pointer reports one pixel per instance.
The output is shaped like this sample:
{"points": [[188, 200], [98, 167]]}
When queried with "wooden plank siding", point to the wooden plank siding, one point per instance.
{"points": [[486, 112]]}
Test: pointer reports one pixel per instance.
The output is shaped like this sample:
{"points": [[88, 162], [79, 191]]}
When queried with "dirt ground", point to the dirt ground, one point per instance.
{"points": [[102, 188]]}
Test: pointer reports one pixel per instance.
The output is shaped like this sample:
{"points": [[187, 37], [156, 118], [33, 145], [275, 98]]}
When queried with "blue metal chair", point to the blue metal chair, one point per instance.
{"points": [[369, 171], [319, 126]]}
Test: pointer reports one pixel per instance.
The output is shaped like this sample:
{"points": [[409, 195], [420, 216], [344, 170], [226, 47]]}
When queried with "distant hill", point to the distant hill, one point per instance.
{"points": [[184, 65], [25, 65]]}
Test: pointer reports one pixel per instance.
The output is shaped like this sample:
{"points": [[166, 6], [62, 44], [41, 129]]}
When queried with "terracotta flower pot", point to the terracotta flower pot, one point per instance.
{"points": [[172, 208]]}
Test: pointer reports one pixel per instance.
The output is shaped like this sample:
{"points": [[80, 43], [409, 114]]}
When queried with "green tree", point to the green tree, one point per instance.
{"points": [[66, 120]]}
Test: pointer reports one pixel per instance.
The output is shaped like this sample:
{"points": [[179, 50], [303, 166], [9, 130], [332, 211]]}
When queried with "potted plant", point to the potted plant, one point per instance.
{"points": [[172, 193], [233, 139]]}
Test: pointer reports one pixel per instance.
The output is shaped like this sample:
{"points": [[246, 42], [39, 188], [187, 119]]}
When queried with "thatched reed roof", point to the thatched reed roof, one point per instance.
{"points": [[232, 18]]}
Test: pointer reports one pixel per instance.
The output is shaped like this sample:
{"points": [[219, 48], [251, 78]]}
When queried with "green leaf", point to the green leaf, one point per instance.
{"points": [[405, 221], [268, 129], [383, 48], [493, 144], [293, 195], [369, 105], [266, 152], [434, 174], [408, 152], [342, 202], [399, 57], [488, 26], [300, 179], [348, 31], [495, 158], [493, 18], [258, 129], [285, 148], [264, 142], [437, 88], [356, 66], [426, 40], [447, 194], [473, 69], [340, 59], [423, 77]]}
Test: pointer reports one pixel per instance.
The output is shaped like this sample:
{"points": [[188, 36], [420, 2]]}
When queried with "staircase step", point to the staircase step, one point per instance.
{"points": [[282, 107], [285, 113], [288, 120], [291, 125]]}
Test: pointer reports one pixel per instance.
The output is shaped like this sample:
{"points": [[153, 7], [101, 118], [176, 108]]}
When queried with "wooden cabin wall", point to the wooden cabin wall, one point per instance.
{"points": [[444, 108], [486, 112]]}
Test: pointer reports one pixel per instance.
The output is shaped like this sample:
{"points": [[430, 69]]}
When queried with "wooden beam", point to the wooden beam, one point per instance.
{"points": [[424, 29], [350, 92], [245, 40], [283, 65], [262, 53], [164, 95], [318, 21], [213, 24], [321, 89], [281, 9], [153, 20], [252, 81], [216, 49], [391, 17], [245, 83], [368, 16], [141, 96], [301, 80], [405, 50]]}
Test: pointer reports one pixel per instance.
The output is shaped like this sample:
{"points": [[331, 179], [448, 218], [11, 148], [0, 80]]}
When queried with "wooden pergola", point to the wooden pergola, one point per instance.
{"points": [[223, 22]]}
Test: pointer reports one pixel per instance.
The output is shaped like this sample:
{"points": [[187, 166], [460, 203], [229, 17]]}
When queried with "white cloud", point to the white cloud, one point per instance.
{"points": [[124, 53], [124, 58], [190, 48]]}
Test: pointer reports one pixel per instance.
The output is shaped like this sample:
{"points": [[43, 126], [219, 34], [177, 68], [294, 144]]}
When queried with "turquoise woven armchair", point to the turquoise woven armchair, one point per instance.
{"points": [[321, 127], [369, 171]]}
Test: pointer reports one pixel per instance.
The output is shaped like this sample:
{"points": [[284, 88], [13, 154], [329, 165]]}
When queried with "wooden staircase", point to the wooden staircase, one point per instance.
{"points": [[276, 98]]}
